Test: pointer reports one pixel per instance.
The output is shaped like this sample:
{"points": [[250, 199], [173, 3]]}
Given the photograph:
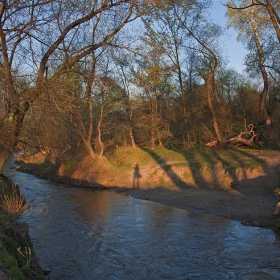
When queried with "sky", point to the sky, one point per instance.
{"points": [[234, 50]]}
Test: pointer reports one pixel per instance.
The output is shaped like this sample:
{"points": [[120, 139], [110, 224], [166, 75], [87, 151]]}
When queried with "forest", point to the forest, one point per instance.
{"points": [[98, 75]]}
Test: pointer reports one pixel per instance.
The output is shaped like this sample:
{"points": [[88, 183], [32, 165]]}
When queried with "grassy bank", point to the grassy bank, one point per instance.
{"points": [[17, 258], [159, 167], [239, 184]]}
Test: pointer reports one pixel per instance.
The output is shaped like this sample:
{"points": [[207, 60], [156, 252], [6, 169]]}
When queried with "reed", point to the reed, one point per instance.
{"points": [[13, 203]]}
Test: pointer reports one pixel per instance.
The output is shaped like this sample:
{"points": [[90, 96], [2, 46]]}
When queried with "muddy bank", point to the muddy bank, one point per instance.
{"points": [[17, 258], [245, 194], [250, 196], [250, 209]]}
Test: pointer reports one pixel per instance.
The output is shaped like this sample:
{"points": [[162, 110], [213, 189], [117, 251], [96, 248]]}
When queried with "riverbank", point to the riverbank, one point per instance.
{"points": [[17, 259], [236, 184], [248, 195]]}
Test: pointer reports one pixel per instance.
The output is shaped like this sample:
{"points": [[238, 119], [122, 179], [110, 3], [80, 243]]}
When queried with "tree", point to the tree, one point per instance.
{"points": [[47, 28], [122, 62], [152, 78], [203, 36], [255, 21], [172, 29], [271, 7]]}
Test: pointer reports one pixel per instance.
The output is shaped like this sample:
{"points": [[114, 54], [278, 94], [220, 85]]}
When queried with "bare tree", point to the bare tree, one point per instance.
{"points": [[256, 21], [209, 61], [32, 37]]}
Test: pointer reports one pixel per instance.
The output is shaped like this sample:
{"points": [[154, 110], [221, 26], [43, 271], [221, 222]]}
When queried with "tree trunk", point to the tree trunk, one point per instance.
{"points": [[99, 144], [131, 135], [152, 140], [9, 137], [160, 143], [212, 64], [213, 112], [262, 110], [132, 138], [89, 147], [4, 155], [188, 140], [129, 108], [152, 130], [183, 97], [274, 18]]}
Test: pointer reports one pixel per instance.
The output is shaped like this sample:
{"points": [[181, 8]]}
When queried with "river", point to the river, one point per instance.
{"points": [[92, 234]]}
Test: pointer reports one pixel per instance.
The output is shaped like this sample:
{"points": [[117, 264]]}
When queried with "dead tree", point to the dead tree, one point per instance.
{"points": [[241, 138]]}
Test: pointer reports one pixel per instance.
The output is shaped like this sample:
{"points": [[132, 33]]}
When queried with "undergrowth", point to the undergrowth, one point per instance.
{"points": [[17, 258], [13, 203]]}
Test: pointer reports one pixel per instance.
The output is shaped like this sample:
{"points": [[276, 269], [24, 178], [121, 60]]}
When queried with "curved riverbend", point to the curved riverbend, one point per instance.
{"points": [[90, 234]]}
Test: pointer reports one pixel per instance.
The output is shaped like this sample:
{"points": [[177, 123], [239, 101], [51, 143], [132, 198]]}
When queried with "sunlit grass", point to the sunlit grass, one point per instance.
{"points": [[196, 158]]}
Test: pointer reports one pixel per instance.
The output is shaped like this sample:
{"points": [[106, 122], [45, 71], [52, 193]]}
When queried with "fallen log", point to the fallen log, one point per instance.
{"points": [[239, 138], [212, 143], [247, 142]]}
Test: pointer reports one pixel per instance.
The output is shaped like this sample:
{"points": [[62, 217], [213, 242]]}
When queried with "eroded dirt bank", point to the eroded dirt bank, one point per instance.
{"points": [[244, 194], [251, 209], [249, 196]]}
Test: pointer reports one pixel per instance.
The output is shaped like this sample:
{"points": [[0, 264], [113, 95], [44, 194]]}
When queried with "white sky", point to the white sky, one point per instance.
{"points": [[234, 50]]}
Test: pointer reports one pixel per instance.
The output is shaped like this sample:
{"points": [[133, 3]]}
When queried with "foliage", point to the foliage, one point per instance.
{"points": [[68, 164], [92, 82], [17, 258]]}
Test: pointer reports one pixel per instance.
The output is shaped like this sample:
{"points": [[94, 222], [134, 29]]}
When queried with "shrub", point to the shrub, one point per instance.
{"points": [[14, 203]]}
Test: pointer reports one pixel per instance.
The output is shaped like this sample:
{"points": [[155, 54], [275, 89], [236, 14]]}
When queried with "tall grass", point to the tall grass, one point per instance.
{"points": [[13, 203]]}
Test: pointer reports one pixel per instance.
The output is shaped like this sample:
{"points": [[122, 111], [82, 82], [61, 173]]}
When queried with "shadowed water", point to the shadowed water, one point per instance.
{"points": [[86, 234]]}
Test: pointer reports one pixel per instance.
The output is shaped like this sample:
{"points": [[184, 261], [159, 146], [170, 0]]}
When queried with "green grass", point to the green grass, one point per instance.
{"points": [[69, 164], [12, 266], [123, 160], [187, 175], [17, 258], [16, 254], [129, 156]]}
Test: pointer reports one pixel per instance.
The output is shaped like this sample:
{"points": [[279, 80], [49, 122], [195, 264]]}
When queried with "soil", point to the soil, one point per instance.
{"points": [[16, 233], [251, 198], [242, 194]]}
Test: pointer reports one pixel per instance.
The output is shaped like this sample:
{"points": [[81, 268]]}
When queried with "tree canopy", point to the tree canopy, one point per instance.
{"points": [[97, 75]]}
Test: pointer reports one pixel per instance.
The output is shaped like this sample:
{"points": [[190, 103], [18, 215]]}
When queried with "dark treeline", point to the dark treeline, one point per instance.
{"points": [[96, 75]]}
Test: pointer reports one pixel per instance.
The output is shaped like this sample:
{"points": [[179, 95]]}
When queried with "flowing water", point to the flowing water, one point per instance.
{"points": [[92, 234]]}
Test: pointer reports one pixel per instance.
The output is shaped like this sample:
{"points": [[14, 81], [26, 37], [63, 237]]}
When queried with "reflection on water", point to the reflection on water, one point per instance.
{"points": [[87, 234]]}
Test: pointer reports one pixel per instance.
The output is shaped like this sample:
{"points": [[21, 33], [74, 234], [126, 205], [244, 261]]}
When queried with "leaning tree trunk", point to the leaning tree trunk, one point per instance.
{"points": [[262, 110], [8, 142], [212, 64], [9, 135], [4, 155], [274, 18], [133, 144], [213, 112], [99, 147]]}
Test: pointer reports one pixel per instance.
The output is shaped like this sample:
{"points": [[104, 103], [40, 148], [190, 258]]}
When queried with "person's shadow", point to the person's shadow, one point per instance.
{"points": [[136, 177]]}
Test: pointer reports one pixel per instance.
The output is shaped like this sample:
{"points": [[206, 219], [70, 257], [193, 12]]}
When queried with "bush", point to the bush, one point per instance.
{"points": [[14, 203]]}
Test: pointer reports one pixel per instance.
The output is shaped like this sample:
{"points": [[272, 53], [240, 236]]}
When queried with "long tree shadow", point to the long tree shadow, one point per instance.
{"points": [[196, 159], [228, 166], [167, 167], [250, 155], [241, 162], [251, 183], [196, 165]]}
